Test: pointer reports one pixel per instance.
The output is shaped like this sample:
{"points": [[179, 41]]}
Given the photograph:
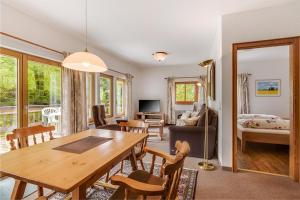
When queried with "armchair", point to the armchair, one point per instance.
{"points": [[99, 119]]}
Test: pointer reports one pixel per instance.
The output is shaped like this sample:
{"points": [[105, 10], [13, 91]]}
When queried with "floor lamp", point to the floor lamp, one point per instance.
{"points": [[205, 165]]}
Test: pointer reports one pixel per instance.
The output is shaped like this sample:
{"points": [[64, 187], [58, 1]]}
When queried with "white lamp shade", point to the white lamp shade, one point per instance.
{"points": [[84, 61]]}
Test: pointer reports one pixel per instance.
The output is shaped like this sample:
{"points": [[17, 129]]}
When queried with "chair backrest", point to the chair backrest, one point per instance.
{"points": [[22, 134], [99, 115], [135, 126], [174, 169]]}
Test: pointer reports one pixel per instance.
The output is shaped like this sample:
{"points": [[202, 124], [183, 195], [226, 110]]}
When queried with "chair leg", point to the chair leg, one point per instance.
{"points": [[40, 191], [142, 164], [122, 163], [107, 176]]}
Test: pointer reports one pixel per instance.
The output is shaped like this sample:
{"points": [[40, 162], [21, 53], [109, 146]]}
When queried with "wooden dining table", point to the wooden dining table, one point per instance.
{"points": [[49, 165]]}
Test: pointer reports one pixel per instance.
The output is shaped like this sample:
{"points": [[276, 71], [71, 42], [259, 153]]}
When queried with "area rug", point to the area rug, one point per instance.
{"points": [[186, 189]]}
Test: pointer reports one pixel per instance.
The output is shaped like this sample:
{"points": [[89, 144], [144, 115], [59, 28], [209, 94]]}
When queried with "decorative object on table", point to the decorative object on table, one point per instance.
{"points": [[84, 61], [205, 165], [268, 88], [186, 188]]}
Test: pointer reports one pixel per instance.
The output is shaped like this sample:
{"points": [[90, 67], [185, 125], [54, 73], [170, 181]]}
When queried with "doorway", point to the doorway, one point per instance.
{"points": [[249, 137]]}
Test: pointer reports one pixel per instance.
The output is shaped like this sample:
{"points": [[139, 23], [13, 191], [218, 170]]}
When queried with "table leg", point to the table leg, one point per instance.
{"points": [[133, 160], [161, 131], [79, 193], [18, 191]]}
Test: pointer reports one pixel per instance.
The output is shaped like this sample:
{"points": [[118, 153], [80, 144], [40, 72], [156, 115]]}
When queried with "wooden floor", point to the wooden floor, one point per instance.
{"points": [[269, 158]]}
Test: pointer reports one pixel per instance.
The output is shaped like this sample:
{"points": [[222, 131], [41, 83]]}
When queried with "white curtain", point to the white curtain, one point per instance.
{"points": [[74, 108], [129, 107], [243, 94], [171, 101], [201, 96]]}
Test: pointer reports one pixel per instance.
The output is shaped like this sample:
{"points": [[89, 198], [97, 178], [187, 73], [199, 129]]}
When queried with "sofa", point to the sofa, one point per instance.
{"points": [[99, 119], [195, 135]]}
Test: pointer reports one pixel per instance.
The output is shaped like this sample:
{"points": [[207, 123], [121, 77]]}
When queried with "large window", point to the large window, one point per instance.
{"points": [[106, 93], [30, 92], [186, 92], [9, 94], [119, 96], [44, 92]]}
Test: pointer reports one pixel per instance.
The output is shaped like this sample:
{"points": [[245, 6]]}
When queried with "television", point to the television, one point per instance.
{"points": [[149, 106]]}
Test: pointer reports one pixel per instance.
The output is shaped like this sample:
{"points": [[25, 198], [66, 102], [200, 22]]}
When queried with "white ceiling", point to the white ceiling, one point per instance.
{"points": [[134, 29], [264, 54]]}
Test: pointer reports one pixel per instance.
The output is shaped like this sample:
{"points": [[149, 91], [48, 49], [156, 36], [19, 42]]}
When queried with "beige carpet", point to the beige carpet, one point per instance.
{"points": [[222, 184]]}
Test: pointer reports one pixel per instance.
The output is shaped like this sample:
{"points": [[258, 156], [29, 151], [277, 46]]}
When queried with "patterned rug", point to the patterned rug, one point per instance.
{"points": [[186, 189]]}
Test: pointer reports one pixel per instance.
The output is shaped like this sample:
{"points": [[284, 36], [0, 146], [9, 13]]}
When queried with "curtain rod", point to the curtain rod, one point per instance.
{"points": [[184, 77], [44, 47]]}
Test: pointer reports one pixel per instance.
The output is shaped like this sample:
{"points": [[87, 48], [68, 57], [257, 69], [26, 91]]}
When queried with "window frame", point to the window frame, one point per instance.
{"points": [[22, 98], [123, 97], [195, 96], [111, 92]]}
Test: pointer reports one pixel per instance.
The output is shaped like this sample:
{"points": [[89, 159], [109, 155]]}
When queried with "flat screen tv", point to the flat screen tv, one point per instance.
{"points": [[149, 106]]}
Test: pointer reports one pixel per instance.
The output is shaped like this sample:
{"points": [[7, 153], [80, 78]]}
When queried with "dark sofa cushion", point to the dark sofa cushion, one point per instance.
{"points": [[201, 121]]}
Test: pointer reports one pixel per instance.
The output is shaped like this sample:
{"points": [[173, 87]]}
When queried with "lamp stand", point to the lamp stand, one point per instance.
{"points": [[205, 165]]}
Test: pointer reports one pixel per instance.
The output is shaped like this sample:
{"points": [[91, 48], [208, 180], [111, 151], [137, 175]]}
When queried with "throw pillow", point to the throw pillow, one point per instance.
{"points": [[185, 115], [195, 114], [191, 121]]}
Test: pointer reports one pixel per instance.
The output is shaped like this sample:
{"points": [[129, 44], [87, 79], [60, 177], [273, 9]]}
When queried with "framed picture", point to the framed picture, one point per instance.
{"points": [[268, 88]]}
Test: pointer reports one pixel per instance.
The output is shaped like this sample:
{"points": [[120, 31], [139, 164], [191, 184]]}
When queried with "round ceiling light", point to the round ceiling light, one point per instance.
{"points": [[160, 56]]}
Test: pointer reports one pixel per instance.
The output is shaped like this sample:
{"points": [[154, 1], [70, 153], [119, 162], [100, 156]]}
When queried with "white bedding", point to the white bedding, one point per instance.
{"points": [[257, 130]]}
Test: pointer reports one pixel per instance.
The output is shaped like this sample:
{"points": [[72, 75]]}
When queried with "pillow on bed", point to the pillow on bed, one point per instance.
{"points": [[258, 116], [279, 124]]}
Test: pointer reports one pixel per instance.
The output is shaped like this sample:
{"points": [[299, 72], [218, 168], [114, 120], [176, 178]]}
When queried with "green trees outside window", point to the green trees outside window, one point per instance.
{"points": [[106, 89], [119, 96], [186, 92], [44, 84]]}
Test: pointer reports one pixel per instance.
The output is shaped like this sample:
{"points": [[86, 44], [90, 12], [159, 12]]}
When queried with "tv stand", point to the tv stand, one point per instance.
{"points": [[155, 120]]}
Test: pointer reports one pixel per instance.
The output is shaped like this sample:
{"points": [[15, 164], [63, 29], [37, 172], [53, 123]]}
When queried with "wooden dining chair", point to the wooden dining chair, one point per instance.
{"points": [[136, 126], [141, 184], [21, 136]]}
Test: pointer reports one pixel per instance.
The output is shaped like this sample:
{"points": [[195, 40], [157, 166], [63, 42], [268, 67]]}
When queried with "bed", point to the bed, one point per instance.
{"points": [[262, 135]]}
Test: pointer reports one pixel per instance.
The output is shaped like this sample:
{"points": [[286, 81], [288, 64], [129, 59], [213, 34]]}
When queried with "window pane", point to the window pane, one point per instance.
{"points": [[190, 92], [8, 98], [44, 94], [105, 94], [119, 96], [89, 93], [180, 92]]}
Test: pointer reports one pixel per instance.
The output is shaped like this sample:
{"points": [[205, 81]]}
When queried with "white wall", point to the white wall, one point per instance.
{"points": [[272, 68], [152, 83], [21, 25], [268, 23]]}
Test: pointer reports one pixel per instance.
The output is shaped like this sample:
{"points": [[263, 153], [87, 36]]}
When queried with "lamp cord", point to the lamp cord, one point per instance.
{"points": [[86, 30]]}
